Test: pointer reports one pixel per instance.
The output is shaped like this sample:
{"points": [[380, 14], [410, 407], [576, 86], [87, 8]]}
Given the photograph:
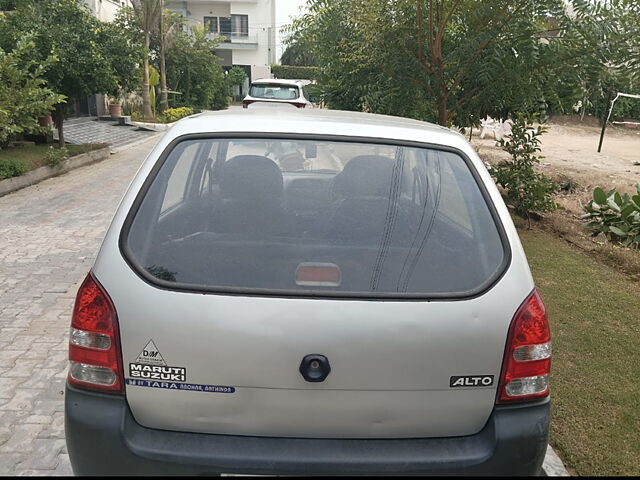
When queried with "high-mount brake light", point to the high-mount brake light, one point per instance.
{"points": [[527, 359], [94, 346]]}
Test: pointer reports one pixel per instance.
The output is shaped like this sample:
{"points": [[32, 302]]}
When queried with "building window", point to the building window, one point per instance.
{"points": [[225, 28], [211, 24], [240, 25], [234, 26]]}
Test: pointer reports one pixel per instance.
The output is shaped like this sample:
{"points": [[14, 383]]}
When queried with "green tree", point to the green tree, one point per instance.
{"points": [[24, 94], [328, 30], [600, 54], [148, 14], [194, 71], [124, 50], [452, 61], [169, 28], [298, 54], [91, 56], [236, 77]]}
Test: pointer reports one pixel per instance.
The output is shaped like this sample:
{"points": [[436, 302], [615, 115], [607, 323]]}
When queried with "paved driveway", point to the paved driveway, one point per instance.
{"points": [[90, 130], [49, 236]]}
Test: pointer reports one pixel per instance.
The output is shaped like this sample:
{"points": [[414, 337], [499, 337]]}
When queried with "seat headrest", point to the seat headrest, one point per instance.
{"points": [[364, 175], [251, 177]]}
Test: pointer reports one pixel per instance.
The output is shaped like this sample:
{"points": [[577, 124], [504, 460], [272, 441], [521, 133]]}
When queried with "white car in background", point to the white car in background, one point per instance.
{"points": [[277, 91], [322, 292]]}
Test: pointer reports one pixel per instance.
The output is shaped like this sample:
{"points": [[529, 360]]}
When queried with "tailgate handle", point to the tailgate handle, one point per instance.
{"points": [[315, 367]]}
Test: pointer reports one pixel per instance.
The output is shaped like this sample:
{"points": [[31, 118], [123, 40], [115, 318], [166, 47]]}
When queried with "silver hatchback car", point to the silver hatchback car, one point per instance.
{"points": [[309, 292]]}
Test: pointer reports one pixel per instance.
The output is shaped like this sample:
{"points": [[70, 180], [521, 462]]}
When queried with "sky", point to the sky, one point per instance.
{"points": [[284, 10]]}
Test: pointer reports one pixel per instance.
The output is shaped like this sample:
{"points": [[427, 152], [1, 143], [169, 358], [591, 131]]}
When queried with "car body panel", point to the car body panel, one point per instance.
{"points": [[391, 360], [513, 442]]}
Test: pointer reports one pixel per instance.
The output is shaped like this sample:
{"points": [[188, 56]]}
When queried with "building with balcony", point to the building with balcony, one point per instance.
{"points": [[247, 29]]}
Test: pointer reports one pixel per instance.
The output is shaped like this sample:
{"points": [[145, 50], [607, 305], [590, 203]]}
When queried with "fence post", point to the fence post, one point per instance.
{"points": [[605, 118]]}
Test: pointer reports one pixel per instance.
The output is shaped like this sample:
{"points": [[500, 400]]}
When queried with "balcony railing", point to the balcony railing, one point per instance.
{"points": [[235, 39]]}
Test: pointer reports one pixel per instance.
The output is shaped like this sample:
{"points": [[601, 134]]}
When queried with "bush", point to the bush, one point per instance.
{"points": [[526, 190], [174, 114], [55, 156], [614, 215], [12, 168], [23, 92], [293, 72]]}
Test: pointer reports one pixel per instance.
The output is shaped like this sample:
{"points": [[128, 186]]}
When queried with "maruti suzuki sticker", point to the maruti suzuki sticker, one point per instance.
{"points": [[180, 386], [157, 372], [471, 381]]}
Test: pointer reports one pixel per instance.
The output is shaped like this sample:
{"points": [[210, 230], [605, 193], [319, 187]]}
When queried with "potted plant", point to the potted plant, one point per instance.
{"points": [[45, 120], [115, 107]]}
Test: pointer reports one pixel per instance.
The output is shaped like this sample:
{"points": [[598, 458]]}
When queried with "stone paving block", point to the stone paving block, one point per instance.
{"points": [[8, 386], [40, 419], [7, 334], [8, 461], [35, 473], [8, 357], [44, 407], [56, 428], [22, 368], [22, 400], [20, 322], [40, 379], [5, 431], [64, 465], [44, 454], [22, 341], [22, 438], [39, 351]]}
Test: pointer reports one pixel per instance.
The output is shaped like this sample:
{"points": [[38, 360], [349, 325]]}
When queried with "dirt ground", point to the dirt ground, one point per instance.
{"points": [[571, 159]]}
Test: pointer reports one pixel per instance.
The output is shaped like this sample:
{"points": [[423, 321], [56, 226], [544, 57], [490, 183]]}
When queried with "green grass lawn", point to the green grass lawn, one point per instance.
{"points": [[15, 161], [594, 312]]}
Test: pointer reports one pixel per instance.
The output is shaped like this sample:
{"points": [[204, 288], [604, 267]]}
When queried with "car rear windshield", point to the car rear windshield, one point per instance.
{"points": [[314, 217], [274, 91]]}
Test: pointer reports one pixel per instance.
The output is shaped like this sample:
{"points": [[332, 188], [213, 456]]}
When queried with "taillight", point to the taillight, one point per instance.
{"points": [[94, 347], [527, 359], [300, 104]]}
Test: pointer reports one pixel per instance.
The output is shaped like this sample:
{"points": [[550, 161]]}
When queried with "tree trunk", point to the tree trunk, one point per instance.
{"points": [[164, 95], [442, 110], [59, 123], [146, 101]]}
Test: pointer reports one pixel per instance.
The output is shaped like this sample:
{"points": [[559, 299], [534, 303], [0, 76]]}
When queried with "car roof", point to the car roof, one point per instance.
{"points": [[283, 81], [317, 121]]}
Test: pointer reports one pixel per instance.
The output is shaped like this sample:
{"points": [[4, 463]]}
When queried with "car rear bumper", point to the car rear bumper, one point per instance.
{"points": [[104, 439]]}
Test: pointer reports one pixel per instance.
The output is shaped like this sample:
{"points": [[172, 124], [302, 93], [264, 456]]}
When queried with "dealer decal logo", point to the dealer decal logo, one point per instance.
{"points": [[150, 355], [471, 381], [151, 370]]}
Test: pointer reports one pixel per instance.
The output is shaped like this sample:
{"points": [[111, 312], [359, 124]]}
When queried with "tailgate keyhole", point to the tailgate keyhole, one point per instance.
{"points": [[315, 368]]}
